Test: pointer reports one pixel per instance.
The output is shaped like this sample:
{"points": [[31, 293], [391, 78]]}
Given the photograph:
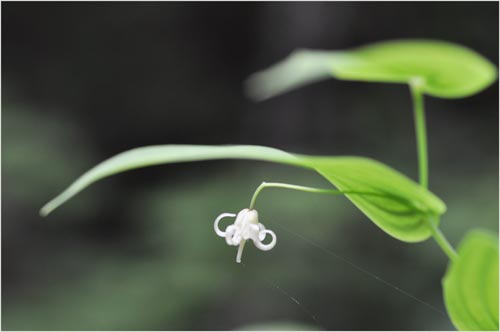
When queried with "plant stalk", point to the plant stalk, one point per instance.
{"points": [[421, 132], [290, 186], [423, 163], [310, 190], [443, 242]]}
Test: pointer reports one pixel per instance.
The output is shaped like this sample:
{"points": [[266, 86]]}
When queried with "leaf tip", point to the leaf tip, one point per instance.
{"points": [[47, 209], [254, 89], [44, 211], [301, 67]]}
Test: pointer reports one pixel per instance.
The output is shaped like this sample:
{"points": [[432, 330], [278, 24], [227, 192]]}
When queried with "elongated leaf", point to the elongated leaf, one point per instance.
{"points": [[446, 70], [471, 283], [392, 201], [166, 154]]}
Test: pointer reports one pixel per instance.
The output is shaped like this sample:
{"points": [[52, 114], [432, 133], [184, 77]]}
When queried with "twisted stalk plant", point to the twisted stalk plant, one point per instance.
{"points": [[402, 208]]}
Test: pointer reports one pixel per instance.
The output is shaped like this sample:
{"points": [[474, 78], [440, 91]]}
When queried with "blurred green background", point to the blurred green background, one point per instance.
{"points": [[84, 81]]}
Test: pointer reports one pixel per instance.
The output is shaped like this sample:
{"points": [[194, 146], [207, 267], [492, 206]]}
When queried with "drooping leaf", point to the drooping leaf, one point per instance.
{"points": [[392, 201], [470, 285], [445, 69], [404, 211]]}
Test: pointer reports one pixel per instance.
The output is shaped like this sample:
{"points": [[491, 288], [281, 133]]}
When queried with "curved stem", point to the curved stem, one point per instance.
{"points": [[420, 131], [289, 186], [307, 189]]}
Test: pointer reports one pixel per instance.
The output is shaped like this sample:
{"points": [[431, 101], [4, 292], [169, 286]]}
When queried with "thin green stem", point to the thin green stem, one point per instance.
{"points": [[308, 189], [290, 186], [420, 131], [423, 163], [442, 241]]}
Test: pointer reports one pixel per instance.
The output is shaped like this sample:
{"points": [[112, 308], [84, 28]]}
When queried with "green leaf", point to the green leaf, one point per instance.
{"points": [[403, 214], [395, 203], [471, 283], [165, 154], [442, 69]]}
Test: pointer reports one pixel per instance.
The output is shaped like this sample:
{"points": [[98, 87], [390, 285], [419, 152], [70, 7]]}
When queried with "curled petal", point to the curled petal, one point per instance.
{"points": [[216, 223], [236, 239], [262, 235], [263, 246], [230, 230]]}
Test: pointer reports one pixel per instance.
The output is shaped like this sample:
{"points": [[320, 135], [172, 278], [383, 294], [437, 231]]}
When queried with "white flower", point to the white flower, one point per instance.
{"points": [[245, 227]]}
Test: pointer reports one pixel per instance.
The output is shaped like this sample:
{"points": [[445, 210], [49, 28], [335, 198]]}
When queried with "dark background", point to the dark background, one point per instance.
{"points": [[84, 81]]}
